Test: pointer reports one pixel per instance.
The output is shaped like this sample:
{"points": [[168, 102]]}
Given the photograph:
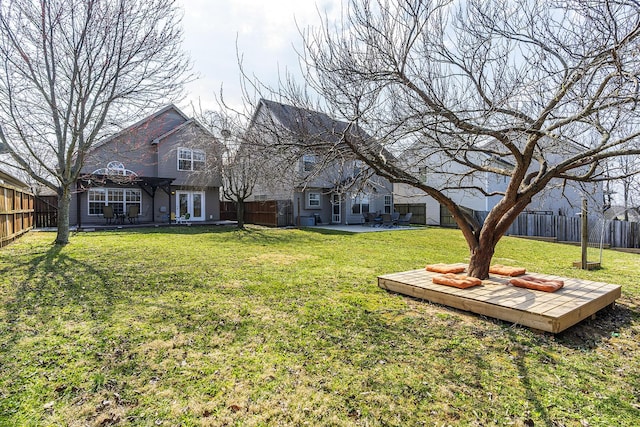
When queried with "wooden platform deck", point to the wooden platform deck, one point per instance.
{"points": [[550, 312]]}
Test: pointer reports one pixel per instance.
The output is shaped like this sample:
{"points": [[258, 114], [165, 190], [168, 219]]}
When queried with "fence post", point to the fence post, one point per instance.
{"points": [[584, 240]]}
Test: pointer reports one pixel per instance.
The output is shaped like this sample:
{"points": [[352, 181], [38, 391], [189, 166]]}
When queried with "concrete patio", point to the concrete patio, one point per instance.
{"points": [[358, 228]]}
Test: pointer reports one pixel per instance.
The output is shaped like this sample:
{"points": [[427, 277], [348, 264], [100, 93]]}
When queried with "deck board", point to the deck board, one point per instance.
{"points": [[551, 312]]}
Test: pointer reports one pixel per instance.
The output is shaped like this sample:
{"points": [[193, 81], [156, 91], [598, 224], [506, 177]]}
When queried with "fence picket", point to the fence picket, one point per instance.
{"points": [[620, 234]]}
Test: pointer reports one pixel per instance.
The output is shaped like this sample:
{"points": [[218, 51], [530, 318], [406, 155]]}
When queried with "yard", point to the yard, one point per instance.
{"points": [[213, 326]]}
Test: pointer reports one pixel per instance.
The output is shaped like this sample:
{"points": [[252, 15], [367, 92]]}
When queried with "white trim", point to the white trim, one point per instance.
{"points": [[190, 205], [188, 155], [315, 203], [105, 200]]}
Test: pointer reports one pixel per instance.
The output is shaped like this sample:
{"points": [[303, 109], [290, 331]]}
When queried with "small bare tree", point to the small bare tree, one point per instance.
{"points": [[240, 159], [536, 91], [73, 70], [627, 185]]}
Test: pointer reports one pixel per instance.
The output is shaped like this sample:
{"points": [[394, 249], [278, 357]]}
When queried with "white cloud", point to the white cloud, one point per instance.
{"points": [[265, 33]]}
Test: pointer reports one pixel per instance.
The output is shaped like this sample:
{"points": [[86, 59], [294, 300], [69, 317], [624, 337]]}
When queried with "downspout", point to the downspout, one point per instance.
{"points": [[153, 204], [170, 209], [78, 210]]}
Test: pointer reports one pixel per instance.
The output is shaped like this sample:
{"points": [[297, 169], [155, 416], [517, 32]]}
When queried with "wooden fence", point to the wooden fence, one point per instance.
{"points": [[270, 213], [613, 233], [16, 213], [418, 210], [46, 211]]}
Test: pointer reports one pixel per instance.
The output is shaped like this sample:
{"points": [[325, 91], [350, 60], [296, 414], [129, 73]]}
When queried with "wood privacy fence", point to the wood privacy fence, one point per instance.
{"points": [[46, 211], [16, 213], [613, 233], [418, 211], [270, 213]]}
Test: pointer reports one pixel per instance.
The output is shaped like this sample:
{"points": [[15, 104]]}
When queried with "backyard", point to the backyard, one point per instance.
{"points": [[213, 326]]}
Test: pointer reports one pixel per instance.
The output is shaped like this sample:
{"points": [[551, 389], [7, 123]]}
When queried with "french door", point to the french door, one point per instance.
{"points": [[191, 202]]}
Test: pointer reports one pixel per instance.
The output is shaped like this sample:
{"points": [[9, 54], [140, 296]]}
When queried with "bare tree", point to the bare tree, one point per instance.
{"points": [[627, 185], [241, 158], [72, 70], [535, 91]]}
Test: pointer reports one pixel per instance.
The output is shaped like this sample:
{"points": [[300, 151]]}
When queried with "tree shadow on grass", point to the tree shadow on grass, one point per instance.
{"points": [[255, 233], [52, 284]]}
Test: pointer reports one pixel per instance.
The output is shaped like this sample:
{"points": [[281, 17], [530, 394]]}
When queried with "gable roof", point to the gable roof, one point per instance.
{"points": [[312, 125], [143, 122], [181, 127]]}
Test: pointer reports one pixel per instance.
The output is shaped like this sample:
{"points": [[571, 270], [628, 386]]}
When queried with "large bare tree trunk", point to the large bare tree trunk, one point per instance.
{"points": [[64, 207], [481, 261]]}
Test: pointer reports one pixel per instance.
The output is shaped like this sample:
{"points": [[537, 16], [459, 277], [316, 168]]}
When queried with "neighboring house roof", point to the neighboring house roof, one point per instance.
{"points": [[618, 212], [312, 126]]}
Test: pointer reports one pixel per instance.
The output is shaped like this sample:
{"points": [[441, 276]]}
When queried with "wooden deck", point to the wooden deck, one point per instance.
{"points": [[550, 312]]}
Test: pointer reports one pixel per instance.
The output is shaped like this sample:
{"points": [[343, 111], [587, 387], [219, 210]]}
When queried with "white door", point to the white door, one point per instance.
{"points": [[191, 202], [336, 207]]}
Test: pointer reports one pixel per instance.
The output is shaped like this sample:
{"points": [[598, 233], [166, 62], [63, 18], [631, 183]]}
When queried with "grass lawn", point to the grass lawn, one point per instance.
{"points": [[213, 326]]}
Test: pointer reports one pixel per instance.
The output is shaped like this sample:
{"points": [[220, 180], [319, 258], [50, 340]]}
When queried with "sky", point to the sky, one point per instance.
{"points": [[265, 32]]}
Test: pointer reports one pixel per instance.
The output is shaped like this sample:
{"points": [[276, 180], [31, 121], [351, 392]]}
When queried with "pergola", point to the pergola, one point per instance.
{"points": [[148, 184]]}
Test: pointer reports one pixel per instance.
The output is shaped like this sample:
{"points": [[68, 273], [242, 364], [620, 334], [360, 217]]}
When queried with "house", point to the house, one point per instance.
{"points": [[558, 198], [306, 163], [165, 166]]}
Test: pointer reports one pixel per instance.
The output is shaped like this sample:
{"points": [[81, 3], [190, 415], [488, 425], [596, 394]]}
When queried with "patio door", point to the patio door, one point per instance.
{"points": [[336, 208], [191, 202]]}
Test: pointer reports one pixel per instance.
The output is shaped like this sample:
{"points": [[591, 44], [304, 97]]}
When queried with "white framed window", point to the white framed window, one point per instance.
{"points": [[360, 204], [97, 199], [190, 159], [314, 199], [388, 203], [119, 198], [308, 162]]}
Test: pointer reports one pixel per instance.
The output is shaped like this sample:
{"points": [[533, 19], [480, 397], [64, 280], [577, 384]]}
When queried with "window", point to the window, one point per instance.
{"points": [[308, 162], [387, 203], [313, 200], [119, 198], [97, 199], [190, 159], [360, 204]]}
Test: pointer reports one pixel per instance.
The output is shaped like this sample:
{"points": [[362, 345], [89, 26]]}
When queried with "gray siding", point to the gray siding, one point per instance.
{"points": [[149, 148], [190, 136], [134, 147]]}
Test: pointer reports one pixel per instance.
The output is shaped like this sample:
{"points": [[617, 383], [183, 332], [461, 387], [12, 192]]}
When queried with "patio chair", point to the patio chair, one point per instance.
{"points": [[371, 218], [107, 213], [394, 218], [132, 213], [405, 219], [386, 220], [183, 219]]}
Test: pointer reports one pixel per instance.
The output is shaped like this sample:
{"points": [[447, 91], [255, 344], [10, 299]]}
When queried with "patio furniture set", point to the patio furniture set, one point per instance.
{"points": [[112, 217], [395, 219]]}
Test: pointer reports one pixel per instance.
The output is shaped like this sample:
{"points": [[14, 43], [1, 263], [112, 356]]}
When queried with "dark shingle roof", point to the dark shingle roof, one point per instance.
{"points": [[309, 124]]}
